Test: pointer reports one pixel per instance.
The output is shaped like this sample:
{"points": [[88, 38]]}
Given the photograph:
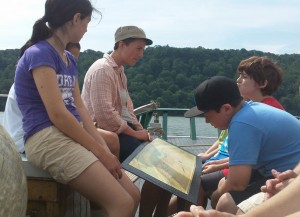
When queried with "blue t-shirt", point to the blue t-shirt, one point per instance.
{"points": [[265, 137], [35, 117]]}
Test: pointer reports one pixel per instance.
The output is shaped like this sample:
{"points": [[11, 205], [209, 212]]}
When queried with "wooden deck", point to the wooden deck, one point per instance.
{"points": [[201, 144]]}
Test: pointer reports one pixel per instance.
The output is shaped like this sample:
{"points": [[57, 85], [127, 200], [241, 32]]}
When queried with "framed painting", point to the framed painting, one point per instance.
{"points": [[168, 166]]}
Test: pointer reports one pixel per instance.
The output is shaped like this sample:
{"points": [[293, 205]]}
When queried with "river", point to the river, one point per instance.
{"points": [[180, 126]]}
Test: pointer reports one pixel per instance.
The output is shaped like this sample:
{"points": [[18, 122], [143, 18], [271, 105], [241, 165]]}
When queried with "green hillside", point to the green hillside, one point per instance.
{"points": [[169, 75]]}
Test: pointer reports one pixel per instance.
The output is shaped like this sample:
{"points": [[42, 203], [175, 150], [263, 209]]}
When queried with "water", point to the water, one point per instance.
{"points": [[180, 126]]}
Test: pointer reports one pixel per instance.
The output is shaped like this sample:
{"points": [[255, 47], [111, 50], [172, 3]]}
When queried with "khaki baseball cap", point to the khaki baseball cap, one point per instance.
{"points": [[125, 32]]}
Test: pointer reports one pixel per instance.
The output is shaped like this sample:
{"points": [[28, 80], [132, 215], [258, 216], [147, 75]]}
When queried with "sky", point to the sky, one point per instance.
{"points": [[265, 25]]}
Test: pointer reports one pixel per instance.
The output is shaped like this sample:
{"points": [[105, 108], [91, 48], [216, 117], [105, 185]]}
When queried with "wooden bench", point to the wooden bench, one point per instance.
{"points": [[48, 198]]}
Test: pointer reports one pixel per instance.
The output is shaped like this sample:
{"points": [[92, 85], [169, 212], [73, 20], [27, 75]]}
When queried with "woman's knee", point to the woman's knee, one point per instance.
{"points": [[114, 138]]}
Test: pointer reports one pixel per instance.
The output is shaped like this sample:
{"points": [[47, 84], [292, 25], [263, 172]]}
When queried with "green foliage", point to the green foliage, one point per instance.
{"points": [[169, 75], [85, 60], [8, 61]]}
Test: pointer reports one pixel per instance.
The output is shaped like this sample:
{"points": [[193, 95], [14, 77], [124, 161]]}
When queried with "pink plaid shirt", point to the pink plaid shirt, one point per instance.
{"points": [[101, 95]]}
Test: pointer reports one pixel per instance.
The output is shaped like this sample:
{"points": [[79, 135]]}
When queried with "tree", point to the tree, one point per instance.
{"points": [[169, 75]]}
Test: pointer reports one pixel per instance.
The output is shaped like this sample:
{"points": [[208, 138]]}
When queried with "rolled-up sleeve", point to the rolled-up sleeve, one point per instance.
{"points": [[101, 95]]}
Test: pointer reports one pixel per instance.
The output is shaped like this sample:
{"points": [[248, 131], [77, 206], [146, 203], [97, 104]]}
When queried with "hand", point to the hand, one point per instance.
{"points": [[209, 168], [221, 161], [142, 135], [198, 211], [280, 181], [204, 156], [212, 166], [285, 175], [150, 137], [112, 164], [184, 214]]}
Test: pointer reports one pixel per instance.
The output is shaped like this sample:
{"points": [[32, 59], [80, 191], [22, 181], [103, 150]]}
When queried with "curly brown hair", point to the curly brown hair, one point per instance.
{"points": [[262, 69]]}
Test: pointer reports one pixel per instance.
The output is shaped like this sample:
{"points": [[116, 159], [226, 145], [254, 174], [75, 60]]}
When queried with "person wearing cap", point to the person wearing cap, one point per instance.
{"points": [[259, 78], [257, 142], [105, 91]]}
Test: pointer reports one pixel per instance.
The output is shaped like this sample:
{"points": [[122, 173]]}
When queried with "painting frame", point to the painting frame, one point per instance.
{"points": [[145, 163]]}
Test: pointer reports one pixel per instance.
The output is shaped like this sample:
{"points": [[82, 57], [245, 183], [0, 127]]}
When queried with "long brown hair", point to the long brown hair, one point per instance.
{"points": [[57, 13]]}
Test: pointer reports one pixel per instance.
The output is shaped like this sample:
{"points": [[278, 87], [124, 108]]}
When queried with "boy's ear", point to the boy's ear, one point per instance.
{"points": [[264, 85], [226, 107]]}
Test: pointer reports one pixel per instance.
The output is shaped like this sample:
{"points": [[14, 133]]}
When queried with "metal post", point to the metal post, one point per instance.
{"points": [[192, 128], [165, 125]]}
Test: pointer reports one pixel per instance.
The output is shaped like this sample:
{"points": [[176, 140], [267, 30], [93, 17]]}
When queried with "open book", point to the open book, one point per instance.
{"points": [[168, 166]]}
